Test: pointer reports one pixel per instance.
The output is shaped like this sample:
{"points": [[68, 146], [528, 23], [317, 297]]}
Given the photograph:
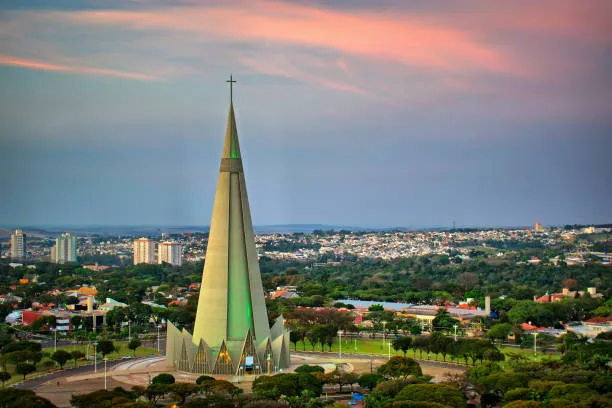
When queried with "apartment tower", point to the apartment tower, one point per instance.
{"points": [[18, 244], [144, 251], [170, 252]]}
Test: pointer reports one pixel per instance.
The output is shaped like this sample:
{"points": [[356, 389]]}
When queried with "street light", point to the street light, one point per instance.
{"points": [[535, 341], [455, 326], [95, 356], [105, 360], [158, 326], [340, 342], [384, 333], [129, 331], [389, 350]]}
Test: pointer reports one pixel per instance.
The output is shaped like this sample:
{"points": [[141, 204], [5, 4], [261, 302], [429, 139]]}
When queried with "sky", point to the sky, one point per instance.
{"points": [[349, 112]]}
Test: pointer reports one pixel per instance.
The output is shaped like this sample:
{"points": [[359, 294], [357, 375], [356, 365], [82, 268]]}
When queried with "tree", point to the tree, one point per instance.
{"points": [[17, 398], [134, 344], [500, 331], [295, 336], [529, 311], [225, 388], [4, 377], [440, 344], [25, 369], [61, 357], [443, 320], [76, 355], [105, 347], [19, 356], [442, 394], [400, 367], [376, 308], [342, 378], [369, 381], [163, 378], [154, 392], [467, 280], [402, 343], [117, 397], [182, 390]]}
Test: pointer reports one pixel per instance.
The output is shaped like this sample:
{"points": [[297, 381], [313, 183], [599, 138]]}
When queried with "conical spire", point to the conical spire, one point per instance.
{"points": [[231, 147]]}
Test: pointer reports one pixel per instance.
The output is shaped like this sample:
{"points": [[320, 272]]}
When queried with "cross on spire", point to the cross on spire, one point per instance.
{"points": [[231, 83]]}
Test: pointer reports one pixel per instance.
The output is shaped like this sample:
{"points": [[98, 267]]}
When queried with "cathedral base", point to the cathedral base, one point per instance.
{"points": [[240, 357]]}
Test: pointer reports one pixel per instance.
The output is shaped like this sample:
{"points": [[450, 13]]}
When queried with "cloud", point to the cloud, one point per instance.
{"points": [[518, 59], [44, 66], [398, 37]]}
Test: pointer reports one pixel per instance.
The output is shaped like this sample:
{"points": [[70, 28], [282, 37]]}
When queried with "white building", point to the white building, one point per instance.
{"points": [[18, 244], [170, 252], [64, 249], [144, 251]]}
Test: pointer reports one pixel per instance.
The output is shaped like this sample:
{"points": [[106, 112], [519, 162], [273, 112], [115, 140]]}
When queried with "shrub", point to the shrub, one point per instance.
{"points": [[561, 403], [518, 394], [542, 387], [523, 404], [163, 378], [419, 404], [442, 394], [201, 379], [305, 368], [571, 392]]}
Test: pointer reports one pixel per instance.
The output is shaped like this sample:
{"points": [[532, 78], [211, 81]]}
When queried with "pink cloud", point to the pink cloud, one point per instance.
{"points": [[397, 37], [44, 66]]}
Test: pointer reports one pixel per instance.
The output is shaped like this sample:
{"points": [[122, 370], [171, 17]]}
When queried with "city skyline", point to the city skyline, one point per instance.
{"points": [[418, 115]]}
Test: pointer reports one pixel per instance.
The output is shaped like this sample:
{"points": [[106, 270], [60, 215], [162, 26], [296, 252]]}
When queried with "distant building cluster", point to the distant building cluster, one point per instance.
{"points": [[167, 251]]}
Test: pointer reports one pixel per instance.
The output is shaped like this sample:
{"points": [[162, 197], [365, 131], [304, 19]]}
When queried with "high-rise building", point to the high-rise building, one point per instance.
{"points": [[144, 251], [170, 252], [231, 335], [64, 249], [18, 244]]}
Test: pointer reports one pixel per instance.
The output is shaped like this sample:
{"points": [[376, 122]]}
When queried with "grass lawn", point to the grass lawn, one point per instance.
{"points": [[121, 350], [370, 346], [363, 346], [48, 365]]}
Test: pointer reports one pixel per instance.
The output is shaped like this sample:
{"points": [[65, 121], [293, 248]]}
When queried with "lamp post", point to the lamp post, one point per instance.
{"points": [[129, 331], [535, 341], [384, 334], [158, 326], [105, 360], [95, 356], [389, 350], [340, 342], [55, 339], [455, 327]]}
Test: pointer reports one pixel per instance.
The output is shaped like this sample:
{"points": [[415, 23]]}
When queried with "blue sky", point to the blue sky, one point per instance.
{"points": [[404, 114]]}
